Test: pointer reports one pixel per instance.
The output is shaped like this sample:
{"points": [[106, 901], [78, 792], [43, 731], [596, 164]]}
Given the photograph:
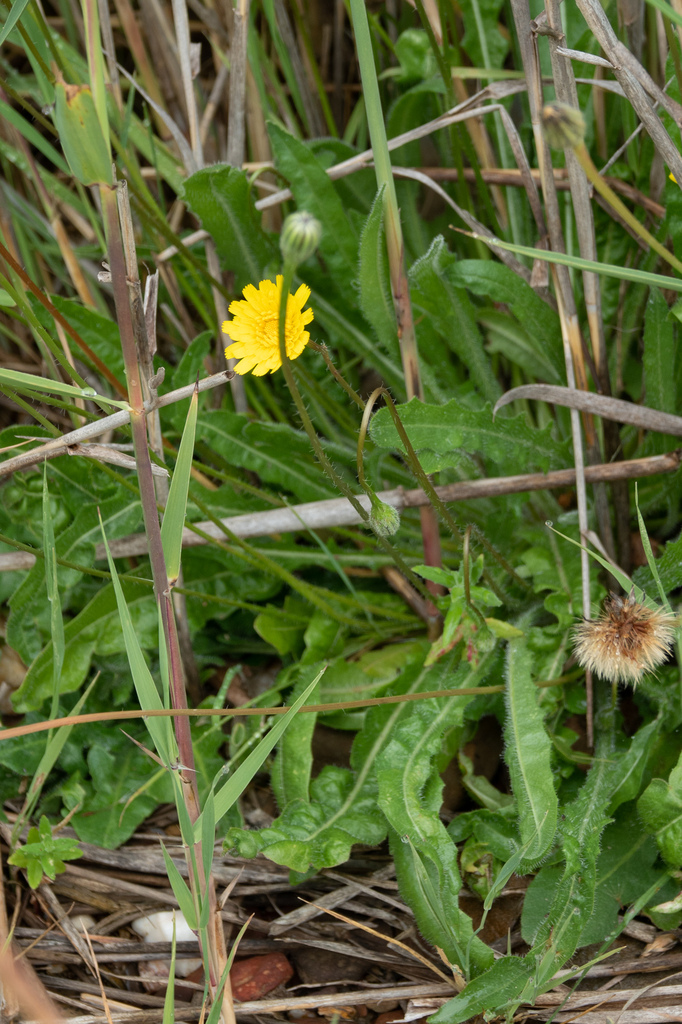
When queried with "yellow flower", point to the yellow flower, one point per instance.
{"points": [[254, 329]]}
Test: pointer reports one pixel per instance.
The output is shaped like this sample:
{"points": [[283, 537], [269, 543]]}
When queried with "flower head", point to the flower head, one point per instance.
{"points": [[628, 640], [300, 237], [255, 328]]}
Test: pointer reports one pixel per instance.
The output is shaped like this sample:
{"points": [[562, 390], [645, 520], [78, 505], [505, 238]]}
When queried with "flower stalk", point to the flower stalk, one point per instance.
{"points": [[287, 280]]}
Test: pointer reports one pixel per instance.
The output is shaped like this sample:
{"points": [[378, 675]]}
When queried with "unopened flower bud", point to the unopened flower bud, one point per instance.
{"points": [[383, 518], [563, 125], [300, 237]]}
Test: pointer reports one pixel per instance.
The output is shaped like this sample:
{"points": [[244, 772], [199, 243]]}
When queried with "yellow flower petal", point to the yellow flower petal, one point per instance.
{"points": [[254, 329]]}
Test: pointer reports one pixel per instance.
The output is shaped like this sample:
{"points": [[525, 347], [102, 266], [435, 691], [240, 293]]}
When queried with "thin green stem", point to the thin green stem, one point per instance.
{"points": [[287, 279]]}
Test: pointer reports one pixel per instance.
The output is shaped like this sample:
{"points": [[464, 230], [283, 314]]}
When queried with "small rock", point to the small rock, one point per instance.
{"points": [[255, 977]]}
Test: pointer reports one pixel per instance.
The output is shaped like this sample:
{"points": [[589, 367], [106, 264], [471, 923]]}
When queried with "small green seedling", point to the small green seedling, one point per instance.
{"points": [[43, 854]]}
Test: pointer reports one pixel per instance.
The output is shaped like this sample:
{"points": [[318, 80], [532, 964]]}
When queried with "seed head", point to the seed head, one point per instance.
{"points": [[628, 640], [563, 125]]}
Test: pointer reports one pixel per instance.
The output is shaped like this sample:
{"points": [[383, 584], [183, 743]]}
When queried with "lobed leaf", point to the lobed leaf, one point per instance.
{"points": [[410, 795], [528, 755], [437, 430]]}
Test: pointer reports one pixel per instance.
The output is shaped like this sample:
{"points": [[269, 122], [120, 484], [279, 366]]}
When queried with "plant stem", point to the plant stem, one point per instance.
{"points": [[607, 193], [202, 888], [287, 278]]}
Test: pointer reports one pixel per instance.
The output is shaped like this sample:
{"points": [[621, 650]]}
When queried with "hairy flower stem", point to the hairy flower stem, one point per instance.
{"points": [[201, 887], [430, 490], [287, 279]]}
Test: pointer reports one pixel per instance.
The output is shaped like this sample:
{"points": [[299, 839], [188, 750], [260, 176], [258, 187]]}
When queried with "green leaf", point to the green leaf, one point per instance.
{"points": [[221, 198], [169, 998], [275, 451], [239, 780], [176, 506], [92, 629], [342, 809], [314, 191], [181, 890], [528, 755], [621, 273], [124, 787], [16, 11], [625, 870], [160, 729], [76, 543], [285, 635], [435, 431], [290, 772], [80, 133], [410, 795], [660, 807], [660, 355], [341, 324], [56, 620], [99, 332], [483, 41], [583, 822], [438, 295], [538, 347], [376, 301], [29, 383], [497, 988]]}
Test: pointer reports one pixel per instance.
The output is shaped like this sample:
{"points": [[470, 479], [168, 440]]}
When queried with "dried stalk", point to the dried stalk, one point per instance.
{"points": [[332, 512], [216, 952], [570, 330]]}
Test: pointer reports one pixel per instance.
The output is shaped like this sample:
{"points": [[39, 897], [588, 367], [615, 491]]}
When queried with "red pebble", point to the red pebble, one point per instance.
{"points": [[255, 977]]}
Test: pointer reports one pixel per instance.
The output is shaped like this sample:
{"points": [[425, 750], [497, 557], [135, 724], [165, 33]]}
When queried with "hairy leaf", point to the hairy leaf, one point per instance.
{"points": [[410, 795], [436, 430], [315, 192], [277, 452], [439, 296], [376, 301], [527, 751], [660, 807], [220, 196]]}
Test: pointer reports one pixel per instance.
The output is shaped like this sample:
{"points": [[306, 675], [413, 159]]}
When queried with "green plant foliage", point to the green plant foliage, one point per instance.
{"points": [[436, 430], [483, 40], [376, 300], [278, 453], [220, 196], [315, 193], [42, 854], [410, 797], [441, 298], [528, 756], [318, 615]]}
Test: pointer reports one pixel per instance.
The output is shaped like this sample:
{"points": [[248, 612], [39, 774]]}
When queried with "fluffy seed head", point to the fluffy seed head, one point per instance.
{"points": [[626, 641]]}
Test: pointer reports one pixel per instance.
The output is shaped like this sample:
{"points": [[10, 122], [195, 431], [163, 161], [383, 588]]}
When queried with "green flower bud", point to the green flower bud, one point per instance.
{"points": [[563, 125], [383, 518], [300, 237]]}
